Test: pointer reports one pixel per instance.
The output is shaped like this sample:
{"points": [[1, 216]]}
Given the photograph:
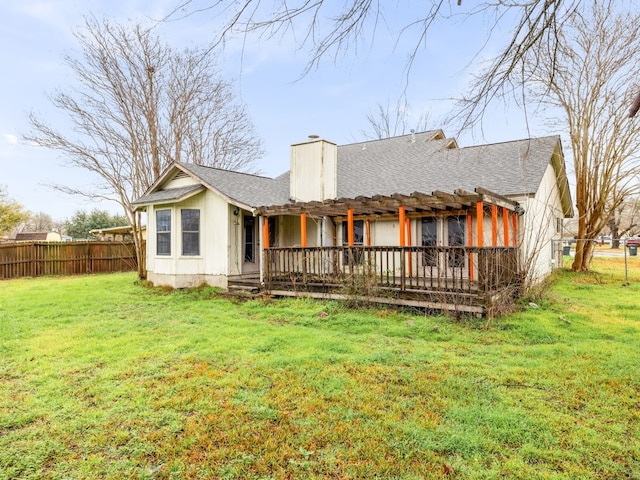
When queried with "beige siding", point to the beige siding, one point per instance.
{"points": [[539, 237], [211, 266], [181, 181]]}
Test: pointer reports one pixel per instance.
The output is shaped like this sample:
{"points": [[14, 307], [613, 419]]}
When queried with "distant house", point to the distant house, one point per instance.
{"points": [[38, 236], [415, 219]]}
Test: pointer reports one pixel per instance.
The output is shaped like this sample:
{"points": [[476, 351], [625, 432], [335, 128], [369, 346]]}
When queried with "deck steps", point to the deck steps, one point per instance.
{"points": [[244, 289], [244, 285]]}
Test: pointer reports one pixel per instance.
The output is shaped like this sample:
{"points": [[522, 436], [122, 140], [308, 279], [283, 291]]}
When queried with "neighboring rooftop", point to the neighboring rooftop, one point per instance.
{"points": [[38, 236]]}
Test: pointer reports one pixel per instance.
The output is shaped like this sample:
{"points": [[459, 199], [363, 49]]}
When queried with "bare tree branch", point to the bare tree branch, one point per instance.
{"points": [[328, 31], [386, 121], [591, 78], [138, 106]]}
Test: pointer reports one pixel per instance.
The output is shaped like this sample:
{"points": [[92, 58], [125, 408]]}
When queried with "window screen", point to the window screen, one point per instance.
{"points": [[163, 232], [190, 231]]}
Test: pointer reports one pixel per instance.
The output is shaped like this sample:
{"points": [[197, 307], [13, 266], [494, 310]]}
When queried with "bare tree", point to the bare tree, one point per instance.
{"points": [[39, 222], [385, 121], [328, 31], [138, 106], [592, 77], [624, 220]]}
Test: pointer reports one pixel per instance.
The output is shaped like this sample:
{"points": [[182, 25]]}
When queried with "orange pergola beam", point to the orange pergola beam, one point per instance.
{"points": [[470, 243], [407, 222], [514, 220], [505, 225], [480, 225], [401, 223], [350, 235], [265, 233], [494, 225], [303, 229], [367, 231]]}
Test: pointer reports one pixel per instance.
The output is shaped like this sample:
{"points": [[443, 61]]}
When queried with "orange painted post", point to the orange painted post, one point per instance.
{"points": [[494, 225], [515, 228], [350, 227], [480, 220], [401, 228], [470, 243], [408, 227], [303, 229], [401, 225], [505, 225], [265, 233], [367, 228]]}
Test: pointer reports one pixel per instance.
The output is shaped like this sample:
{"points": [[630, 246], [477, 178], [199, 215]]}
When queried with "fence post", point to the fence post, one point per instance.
{"points": [[33, 255]]}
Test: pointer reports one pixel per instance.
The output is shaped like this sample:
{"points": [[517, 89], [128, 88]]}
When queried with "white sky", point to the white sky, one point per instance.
{"points": [[331, 101]]}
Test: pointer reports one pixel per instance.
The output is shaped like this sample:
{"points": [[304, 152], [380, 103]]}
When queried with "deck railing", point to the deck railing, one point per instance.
{"points": [[459, 269]]}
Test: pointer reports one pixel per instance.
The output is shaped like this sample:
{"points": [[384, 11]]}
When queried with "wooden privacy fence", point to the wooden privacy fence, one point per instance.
{"points": [[35, 259]]}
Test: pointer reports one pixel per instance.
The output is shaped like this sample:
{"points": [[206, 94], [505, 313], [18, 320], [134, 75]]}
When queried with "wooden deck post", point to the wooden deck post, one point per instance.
{"points": [[367, 230], [303, 229], [350, 235], [505, 225], [401, 225], [265, 232], [480, 225], [494, 225], [264, 228], [401, 228], [515, 228], [470, 243], [408, 227], [480, 241]]}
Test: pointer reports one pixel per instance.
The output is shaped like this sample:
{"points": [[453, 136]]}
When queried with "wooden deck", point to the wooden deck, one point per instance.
{"points": [[474, 280]]}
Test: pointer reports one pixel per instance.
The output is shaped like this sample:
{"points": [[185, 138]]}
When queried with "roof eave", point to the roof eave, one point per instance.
{"points": [[166, 201], [557, 161]]}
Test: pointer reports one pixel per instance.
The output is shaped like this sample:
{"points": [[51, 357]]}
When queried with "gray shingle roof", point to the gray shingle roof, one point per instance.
{"points": [[248, 189], [399, 165], [31, 236], [405, 164], [167, 195]]}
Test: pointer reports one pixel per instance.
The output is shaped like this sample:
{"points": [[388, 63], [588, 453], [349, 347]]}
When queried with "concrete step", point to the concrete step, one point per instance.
{"points": [[246, 289]]}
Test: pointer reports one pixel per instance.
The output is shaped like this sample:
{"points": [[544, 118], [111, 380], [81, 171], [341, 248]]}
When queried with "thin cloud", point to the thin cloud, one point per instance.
{"points": [[10, 138]]}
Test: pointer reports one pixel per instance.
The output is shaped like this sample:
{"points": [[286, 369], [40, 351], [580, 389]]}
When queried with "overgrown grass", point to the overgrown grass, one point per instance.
{"points": [[104, 378]]}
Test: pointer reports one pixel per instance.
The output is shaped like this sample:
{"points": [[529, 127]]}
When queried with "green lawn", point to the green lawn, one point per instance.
{"points": [[101, 377]]}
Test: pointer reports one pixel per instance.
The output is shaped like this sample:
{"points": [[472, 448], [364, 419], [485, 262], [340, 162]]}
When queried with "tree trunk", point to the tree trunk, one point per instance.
{"points": [[582, 260], [139, 245]]}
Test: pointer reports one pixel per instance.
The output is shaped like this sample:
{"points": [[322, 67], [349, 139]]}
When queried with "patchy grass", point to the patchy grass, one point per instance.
{"points": [[103, 378]]}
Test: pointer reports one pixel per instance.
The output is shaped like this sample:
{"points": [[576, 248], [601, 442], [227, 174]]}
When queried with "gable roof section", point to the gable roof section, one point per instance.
{"points": [[243, 189], [422, 162], [400, 166]]}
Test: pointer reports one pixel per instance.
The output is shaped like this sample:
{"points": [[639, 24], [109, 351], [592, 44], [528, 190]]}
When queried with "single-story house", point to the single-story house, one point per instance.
{"points": [[412, 220]]}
